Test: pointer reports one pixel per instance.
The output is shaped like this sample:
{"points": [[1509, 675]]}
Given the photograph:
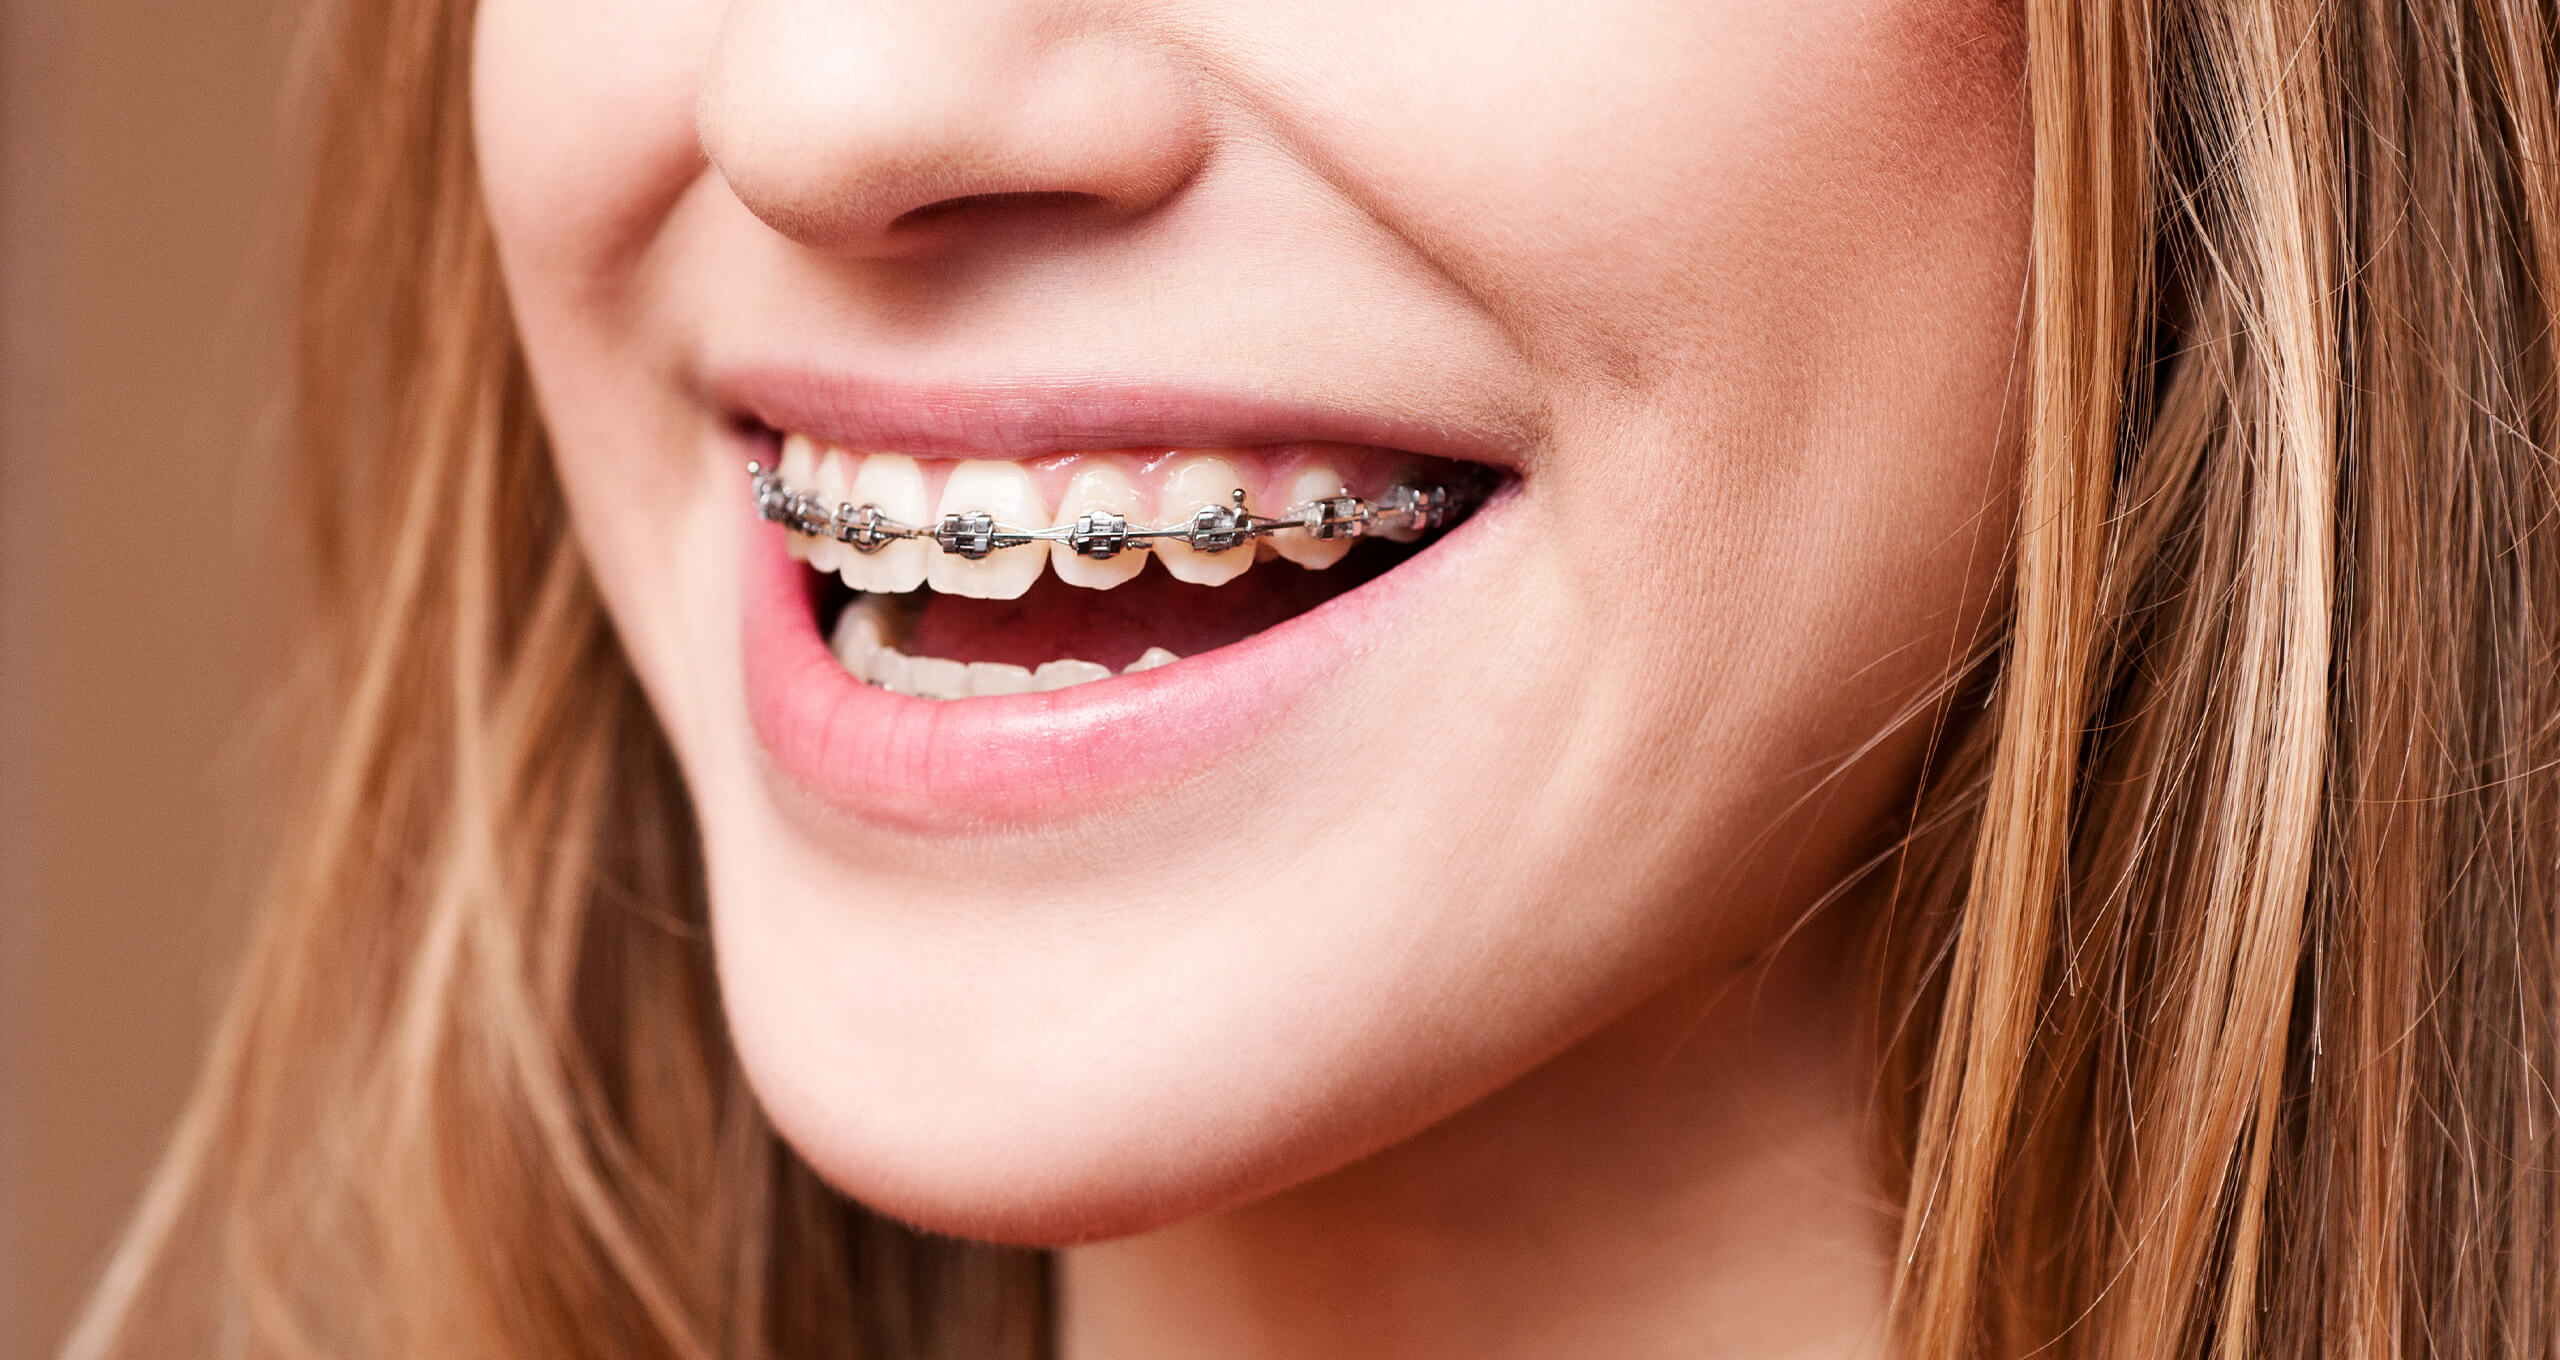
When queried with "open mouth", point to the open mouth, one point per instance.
{"points": [[946, 580]]}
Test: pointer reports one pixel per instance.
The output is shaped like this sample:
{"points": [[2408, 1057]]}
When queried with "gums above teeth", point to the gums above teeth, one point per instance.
{"points": [[952, 571]]}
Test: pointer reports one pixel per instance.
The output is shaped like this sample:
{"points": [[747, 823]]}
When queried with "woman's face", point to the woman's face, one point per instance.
{"points": [[1717, 300]]}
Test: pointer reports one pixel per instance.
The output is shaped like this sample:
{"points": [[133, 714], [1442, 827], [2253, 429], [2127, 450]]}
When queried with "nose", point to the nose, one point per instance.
{"points": [[877, 127]]}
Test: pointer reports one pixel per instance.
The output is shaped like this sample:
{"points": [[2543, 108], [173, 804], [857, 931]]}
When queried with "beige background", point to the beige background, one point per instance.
{"points": [[141, 266]]}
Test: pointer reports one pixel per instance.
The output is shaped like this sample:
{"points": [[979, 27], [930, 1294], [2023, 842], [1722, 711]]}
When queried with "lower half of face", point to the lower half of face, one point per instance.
{"points": [[1301, 560]]}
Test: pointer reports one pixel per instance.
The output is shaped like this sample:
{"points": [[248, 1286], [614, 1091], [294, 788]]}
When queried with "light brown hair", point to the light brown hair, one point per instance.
{"points": [[2220, 986]]}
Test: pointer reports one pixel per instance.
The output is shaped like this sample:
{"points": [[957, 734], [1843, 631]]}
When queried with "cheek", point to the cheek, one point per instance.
{"points": [[1641, 181], [584, 132], [1767, 257], [583, 118]]}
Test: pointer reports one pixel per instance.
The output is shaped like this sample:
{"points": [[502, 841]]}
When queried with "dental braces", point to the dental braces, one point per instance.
{"points": [[1102, 535]]}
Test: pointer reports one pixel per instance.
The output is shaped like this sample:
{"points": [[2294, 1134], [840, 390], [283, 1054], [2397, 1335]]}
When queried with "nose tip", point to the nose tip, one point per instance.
{"points": [[879, 126]]}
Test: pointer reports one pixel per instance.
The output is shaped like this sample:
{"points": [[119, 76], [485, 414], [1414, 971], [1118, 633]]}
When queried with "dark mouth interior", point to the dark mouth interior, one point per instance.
{"points": [[1112, 627]]}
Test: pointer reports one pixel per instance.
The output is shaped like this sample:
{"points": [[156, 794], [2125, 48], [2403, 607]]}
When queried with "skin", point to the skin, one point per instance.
{"points": [[1733, 285]]}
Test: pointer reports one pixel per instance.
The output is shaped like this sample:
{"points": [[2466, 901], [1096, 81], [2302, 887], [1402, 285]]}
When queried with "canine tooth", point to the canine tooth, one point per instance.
{"points": [[1148, 660], [799, 469], [826, 554], [893, 482], [933, 677], [1098, 487], [995, 677], [1195, 483], [1067, 671], [1005, 491], [889, 669], [857, 636], [1313, 482]]}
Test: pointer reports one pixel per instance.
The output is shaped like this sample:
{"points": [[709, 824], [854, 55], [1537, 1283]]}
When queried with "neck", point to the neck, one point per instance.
{"points": [[1696, 1180]]}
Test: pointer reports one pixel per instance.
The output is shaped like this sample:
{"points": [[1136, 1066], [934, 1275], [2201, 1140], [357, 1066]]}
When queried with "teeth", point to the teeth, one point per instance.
{"points": [[1060, 674], [893, 482], [1005, 491], [858, 638], [1098, 487], [860, 642], [988, 494], [993, 677], [857, 644], [932, 677], [799, 472], [1195, 483], [826, 554], [1401, 533], [1148, 660], [1314, 482]]}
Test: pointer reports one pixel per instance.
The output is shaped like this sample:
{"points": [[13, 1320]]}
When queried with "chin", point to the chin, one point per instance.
{"points": [[1050, 1115]]}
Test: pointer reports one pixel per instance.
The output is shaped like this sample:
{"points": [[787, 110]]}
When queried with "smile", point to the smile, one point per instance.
{"points": [[987, 578]]}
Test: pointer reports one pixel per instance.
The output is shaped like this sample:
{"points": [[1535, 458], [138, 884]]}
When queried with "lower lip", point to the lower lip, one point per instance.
{"points": [[931, 764]]}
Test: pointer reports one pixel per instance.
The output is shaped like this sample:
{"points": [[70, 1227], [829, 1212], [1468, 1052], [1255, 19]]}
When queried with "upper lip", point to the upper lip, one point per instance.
{"points": [[1029, 416]]}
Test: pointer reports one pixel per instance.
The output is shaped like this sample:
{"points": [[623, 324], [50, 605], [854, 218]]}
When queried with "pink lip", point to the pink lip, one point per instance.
{"points": [[1032, 416], [932, 765]]}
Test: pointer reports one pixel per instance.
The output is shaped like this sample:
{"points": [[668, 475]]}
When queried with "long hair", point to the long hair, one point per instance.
{"points": [[2220, 980]]}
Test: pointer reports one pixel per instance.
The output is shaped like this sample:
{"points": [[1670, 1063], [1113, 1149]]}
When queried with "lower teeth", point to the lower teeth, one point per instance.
{"points": [[861, 645]]}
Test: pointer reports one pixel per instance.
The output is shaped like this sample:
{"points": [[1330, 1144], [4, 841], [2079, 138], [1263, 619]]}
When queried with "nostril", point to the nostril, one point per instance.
{"points": [[1047, 204]]}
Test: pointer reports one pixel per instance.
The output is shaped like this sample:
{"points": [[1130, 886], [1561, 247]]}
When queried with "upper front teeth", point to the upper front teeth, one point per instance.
{"points": [[1099, 498], [980, 496], [894, 485], [993, 531]]}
